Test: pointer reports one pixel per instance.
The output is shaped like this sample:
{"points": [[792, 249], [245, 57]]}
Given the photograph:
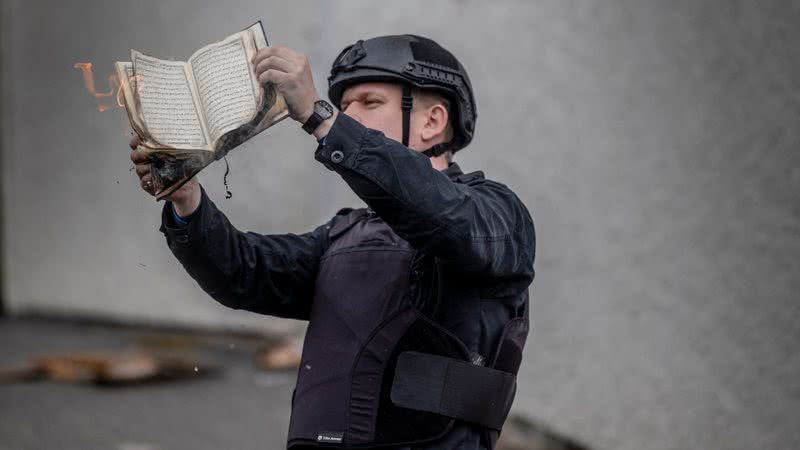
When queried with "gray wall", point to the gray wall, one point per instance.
{"points": [[5, 20], [656, 144]]}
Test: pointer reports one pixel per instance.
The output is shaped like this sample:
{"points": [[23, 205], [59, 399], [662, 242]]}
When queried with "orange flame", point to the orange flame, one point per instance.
{"points": [[105, 100]]}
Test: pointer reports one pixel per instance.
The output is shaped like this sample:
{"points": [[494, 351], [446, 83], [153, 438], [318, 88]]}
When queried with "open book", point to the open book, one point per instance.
{"points": [[189, 114]]}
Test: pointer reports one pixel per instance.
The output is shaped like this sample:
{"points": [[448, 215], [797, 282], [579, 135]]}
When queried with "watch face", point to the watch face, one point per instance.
{"points": [[324, 109]]}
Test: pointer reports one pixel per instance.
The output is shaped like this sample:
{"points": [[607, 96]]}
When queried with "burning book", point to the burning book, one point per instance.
{"points": [[189, 114]]}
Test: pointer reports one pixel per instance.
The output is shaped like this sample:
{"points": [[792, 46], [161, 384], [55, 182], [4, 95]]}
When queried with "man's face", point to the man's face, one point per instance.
{"points": [[376, 106]]}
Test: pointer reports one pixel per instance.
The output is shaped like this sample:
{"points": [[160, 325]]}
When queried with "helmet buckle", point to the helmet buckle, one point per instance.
{"points": [[407, 102]]}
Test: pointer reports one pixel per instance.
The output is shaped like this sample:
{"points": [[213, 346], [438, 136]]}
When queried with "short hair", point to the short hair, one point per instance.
{"points": [[429, 97]]}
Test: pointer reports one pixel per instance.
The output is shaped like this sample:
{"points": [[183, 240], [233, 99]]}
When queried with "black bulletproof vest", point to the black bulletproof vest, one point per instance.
{"points": [[368, 351]]}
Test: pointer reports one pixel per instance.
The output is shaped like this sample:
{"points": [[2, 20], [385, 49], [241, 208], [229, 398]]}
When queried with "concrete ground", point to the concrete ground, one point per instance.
{"points": [[237, 407], [241, 408]]}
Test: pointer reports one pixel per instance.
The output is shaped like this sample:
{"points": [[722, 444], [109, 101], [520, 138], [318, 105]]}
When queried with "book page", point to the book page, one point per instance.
{"points": [[169, 110], [127, 83], [226, 83]]}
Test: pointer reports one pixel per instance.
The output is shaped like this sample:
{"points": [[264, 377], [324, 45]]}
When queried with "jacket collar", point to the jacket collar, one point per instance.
{"points": [[453, 170], [454, 173]]}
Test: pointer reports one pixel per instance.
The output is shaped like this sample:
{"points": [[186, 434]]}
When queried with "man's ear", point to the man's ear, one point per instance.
{"points": [[436, 123]]}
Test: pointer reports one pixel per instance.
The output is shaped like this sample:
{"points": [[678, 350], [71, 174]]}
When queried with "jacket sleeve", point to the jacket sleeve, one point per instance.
{"points": [[479, 225], [266, 274]]}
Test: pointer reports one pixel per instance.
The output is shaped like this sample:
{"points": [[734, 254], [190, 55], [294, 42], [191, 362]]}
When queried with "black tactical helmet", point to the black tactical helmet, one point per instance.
{"points": [[412, 61]]}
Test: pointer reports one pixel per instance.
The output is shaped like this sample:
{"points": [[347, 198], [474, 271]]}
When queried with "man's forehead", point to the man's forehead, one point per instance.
{"points": [[372, 87]]}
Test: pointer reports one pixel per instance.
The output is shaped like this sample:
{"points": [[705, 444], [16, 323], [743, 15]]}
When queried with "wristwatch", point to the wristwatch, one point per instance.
{"points": [[322, 112]]}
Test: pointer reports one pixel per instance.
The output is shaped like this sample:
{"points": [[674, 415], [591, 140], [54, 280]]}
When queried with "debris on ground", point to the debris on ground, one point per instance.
{"points": [[158, 356], [278, 355], [107, 368]]}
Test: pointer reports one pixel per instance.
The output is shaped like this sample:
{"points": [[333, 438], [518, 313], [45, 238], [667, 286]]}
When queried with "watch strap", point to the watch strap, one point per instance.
{"points": [[313, 122]]}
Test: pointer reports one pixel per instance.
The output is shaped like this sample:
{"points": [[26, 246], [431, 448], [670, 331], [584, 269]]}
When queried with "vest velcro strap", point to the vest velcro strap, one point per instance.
{"points": [[453, 388]]}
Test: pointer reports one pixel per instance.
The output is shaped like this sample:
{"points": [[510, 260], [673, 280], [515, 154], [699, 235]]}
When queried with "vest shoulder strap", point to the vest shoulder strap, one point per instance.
{"points": [[345, 219]]}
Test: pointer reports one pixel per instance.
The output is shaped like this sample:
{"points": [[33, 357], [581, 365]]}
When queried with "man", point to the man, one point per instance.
{"points": [[417, 305]]}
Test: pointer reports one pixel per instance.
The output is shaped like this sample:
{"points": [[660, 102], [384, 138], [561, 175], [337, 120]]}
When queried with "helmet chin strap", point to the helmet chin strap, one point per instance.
{"points": [[407, 104], [436, 150]]}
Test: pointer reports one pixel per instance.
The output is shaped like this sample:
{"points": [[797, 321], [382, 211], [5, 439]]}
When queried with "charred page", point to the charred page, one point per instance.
{"points": [[189, 114]]}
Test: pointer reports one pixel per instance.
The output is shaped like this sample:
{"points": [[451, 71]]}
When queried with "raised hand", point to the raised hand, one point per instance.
{"points": [[290, 72], [186, 199]]}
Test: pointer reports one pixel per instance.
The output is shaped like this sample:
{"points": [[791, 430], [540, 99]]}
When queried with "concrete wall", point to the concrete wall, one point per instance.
{"points": [[656, 144], [5, 20]]}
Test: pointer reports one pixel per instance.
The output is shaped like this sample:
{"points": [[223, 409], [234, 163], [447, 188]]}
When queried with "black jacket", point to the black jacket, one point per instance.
{"points": [[476, 237]]}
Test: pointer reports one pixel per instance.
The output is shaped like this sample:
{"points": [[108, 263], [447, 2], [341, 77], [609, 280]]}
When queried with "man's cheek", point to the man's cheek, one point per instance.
{"points": [[393, 130], [370, 121], [355, 116]]}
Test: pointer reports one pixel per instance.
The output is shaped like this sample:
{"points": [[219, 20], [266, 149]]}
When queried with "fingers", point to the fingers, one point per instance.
{"points": [[147, 184], [279, 65], [280, 59], [275, 62], [139, 157], [145, 177], [291, 74], [142, 170], [277, 50], [134, 142], [273, 76], [141, 160], [142, 166]]}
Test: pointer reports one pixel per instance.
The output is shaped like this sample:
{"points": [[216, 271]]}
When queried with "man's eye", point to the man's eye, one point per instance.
{"points": [[372, 103]]}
